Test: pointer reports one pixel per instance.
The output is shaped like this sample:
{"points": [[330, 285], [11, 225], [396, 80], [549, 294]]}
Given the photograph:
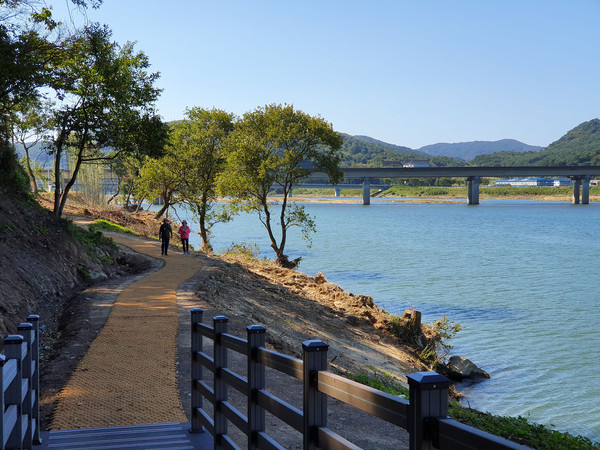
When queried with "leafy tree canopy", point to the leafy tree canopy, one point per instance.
{"points": [[277, 146]]}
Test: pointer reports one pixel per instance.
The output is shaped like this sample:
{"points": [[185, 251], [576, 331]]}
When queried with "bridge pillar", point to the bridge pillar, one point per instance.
{"points": [[473, 190], [366, 191], [576, 189], [337, 192], [585, 190]]}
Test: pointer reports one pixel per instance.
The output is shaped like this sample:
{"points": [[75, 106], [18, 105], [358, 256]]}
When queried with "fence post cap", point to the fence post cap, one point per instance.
{"points": [[256, 329], [314, 346], [197, 310], [427, 378], [220, 319], [14, 339], [24, 326], [33, 318]]}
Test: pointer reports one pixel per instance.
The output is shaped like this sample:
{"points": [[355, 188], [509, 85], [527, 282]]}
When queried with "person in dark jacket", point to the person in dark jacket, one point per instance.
{"points": [[164, 234]]}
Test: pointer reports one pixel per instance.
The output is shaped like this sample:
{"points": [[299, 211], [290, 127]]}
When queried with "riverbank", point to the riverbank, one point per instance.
{"points": [[225, 278]]}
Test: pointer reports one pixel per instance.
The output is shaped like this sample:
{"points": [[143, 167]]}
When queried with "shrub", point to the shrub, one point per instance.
{"points": [[244, 249]]}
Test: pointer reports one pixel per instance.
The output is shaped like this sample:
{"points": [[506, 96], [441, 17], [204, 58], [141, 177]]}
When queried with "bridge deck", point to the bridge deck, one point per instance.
{"points": [[167, 435]]}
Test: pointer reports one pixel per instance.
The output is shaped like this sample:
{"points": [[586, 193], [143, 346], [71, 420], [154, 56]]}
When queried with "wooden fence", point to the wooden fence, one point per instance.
{"points": [[424, 417], [19, 377]]}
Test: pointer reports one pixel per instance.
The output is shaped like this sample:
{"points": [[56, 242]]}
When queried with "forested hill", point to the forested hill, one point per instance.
{"points": [[580, 146], [366, 151], [466, 151]]}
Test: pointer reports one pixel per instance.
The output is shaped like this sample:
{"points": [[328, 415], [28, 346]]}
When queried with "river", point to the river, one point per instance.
{"points": [[520, 276]]}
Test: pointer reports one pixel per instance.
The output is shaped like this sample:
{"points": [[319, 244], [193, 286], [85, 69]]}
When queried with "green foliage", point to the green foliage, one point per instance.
{"points": [[434, 344], [101, 224], [197, 144], [6, 227], [276, 147], [248, 250], [108, 99], [425, 192], [579, 147], [519, 429], [534, 191], [362, 151], [83, 272], [377, 379], [89, 238]]}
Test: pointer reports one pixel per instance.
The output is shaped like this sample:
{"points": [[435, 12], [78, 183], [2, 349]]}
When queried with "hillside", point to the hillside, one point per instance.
{"points": [[366, 151], [466, 151], [580, 146]]}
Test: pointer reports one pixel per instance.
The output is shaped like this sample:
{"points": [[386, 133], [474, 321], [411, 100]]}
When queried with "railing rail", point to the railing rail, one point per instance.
{"points": [[424, 417], [19, 378]]}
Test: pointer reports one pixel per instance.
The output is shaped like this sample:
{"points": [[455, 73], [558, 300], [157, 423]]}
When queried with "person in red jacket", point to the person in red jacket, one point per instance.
{"points": [[184, 234]]}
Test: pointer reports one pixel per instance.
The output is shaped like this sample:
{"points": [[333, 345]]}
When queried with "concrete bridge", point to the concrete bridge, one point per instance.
{"points": [[581, 176]]}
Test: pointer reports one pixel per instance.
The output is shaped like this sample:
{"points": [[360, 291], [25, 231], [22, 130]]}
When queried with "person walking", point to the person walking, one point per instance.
{"points": [[164, 234], [184, 234]]}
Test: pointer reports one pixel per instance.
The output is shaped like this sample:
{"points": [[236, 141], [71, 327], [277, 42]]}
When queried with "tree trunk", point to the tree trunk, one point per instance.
{"points": [[206, 247]]}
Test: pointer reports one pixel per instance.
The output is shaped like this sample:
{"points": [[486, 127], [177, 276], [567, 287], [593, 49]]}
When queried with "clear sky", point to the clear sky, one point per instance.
{"points": [[407, 72]]}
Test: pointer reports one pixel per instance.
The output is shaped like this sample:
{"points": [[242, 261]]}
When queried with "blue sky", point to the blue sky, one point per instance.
{"points": [[410, 73]]}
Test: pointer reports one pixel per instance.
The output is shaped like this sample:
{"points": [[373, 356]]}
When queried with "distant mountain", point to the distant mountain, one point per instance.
{"points": [[466, 151], [385, 144], [580, 146], [366, 151], [38, 154]]}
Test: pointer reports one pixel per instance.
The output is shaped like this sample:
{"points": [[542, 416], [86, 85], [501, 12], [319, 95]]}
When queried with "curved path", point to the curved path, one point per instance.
{"points": [[128, 375]]}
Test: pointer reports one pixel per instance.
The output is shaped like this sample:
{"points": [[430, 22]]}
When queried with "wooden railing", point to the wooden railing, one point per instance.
{"points": [[19, 377], [424, 417]]}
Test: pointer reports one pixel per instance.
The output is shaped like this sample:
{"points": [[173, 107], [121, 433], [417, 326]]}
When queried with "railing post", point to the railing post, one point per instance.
{"points": [[314, 357], [256, 381], [196, 346], [220, 386], [2, 405], [35, 378], [13, 348], [26, 330], [428, 392]]}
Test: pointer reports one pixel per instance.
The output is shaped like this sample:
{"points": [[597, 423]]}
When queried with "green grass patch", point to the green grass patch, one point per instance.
{"points": [[516, 429], [519, 429], [90, 238], [377, 379], [101, 224]]}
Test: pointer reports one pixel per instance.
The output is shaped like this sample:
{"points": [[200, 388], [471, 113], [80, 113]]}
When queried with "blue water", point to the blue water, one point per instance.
{"points": [[521, 277]]}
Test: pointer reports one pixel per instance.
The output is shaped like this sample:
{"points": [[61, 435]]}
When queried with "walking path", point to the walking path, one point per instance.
{"points": [[128, 376]]}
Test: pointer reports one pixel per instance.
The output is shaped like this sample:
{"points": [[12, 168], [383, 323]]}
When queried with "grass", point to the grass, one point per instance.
{"points": [[101, 224], [517, 429], [91, 238]]}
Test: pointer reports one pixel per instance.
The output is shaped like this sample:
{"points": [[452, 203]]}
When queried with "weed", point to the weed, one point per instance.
{"points": [[42, 230], [107, 260], [245, 249], [83, 272], [5, 226]]}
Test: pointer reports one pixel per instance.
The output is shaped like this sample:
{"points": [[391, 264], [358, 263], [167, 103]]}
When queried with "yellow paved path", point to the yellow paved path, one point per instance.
{"points": [[128, 375]]}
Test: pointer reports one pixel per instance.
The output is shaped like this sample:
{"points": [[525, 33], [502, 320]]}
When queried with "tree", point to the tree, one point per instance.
{"points": [[161, 178], [106, 100], [275, 147], [196, 142], [29, 125]]}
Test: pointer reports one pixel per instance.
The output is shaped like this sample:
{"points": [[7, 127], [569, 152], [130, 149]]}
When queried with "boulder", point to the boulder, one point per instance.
{"points": [[460, 369]]}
